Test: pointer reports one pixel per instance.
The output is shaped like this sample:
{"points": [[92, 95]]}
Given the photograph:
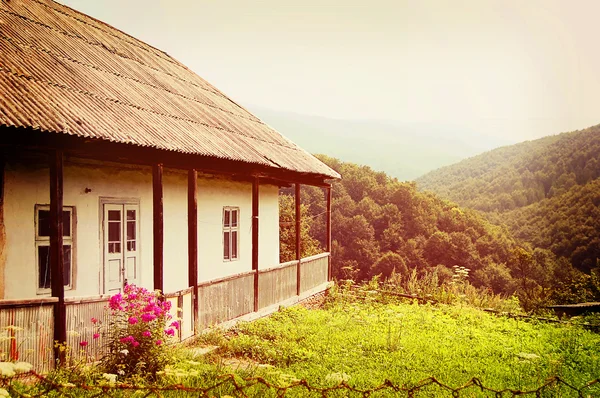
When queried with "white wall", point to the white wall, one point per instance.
{"points": [[27, 184]]}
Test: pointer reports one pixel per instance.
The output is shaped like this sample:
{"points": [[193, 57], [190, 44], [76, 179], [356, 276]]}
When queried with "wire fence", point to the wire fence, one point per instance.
{"points": [[32, 384]]}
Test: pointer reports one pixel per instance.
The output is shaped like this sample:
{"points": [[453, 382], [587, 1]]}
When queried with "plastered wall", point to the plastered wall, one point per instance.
{"points": [[86, 183]]}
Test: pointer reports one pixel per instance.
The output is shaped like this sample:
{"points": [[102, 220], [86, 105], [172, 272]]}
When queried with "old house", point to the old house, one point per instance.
{"points": [[119, 164]]}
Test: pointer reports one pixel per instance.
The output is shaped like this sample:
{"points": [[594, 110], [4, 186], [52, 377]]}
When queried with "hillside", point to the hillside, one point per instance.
{"points": [[546, 191], [404, 151], [383, 225], [519, 175]]}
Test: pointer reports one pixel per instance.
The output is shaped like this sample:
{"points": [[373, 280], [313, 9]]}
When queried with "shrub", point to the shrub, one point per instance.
{"points": [[140, 329]]}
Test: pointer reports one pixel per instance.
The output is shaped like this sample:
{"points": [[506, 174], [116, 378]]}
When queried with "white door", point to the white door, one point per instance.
{"points": [[121, 246]]}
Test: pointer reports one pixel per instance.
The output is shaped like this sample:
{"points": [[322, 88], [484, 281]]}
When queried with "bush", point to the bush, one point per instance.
{"points": [[136, 340]]}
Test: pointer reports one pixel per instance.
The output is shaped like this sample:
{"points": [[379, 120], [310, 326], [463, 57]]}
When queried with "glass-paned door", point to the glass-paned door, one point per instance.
{"points": [[120, 246]]}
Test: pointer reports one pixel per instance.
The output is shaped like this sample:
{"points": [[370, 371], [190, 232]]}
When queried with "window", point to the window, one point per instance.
{"points": [[231, 217], [42, 246]]}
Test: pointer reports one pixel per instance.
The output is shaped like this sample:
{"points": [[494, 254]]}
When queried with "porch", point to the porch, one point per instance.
{"points": [[28, 326]]}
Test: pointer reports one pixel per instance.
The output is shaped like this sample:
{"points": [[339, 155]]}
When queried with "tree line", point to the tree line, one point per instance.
{"points": [[383, 226]]}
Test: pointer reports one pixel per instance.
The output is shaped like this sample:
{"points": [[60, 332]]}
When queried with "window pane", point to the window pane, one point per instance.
{"points": [[226, 245], [234, 218], [114, 247], [130, 245], [66, 223], [234, 244], [130, 214], [67, 265], [114, 231], [44, 267], [226, 219], [114, 215], [130, 230], [43, 223]]}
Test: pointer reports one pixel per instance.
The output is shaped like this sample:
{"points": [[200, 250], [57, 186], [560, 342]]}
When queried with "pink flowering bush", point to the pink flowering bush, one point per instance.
{"points": [[136, 339]]}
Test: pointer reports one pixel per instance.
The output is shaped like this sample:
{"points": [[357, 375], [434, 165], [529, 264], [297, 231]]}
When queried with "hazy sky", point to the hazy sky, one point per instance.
{"points": [[513, 68]]}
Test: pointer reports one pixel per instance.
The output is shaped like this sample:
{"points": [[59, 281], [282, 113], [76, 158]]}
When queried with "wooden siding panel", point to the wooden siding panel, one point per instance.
{"points": [[81, 328], [27, 335], [313, 271], [225, 300], [276, 285]]}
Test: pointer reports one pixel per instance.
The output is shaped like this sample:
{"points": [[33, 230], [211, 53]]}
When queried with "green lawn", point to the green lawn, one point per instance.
{"points": [[367, 343]]}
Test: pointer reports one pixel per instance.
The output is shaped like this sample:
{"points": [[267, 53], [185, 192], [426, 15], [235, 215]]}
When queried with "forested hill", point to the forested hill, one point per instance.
{"points": [[382, 225], [518, 175]]}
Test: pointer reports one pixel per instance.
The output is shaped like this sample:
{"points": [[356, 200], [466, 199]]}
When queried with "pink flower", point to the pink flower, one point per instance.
{"points": [[96, 335], [147, 333], [128, 339], [175, 324], [135, 344], [133, 320], [148, 317], [115, 302], [94, 321], [83, 343], [158, 342], [170, 332]]}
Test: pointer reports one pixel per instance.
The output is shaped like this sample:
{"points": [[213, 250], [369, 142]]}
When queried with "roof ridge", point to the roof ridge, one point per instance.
{"points": [[24, 45], [117, 101]]}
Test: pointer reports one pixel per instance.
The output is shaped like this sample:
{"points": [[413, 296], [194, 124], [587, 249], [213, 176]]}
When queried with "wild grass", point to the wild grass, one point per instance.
{"points": [[367, 339]]}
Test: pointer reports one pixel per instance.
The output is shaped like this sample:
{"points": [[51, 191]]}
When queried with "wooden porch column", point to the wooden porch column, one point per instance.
{"points": [[255, 186], [157, 224], [328, 237], [298, 253], [193, 240], [56, 252]]}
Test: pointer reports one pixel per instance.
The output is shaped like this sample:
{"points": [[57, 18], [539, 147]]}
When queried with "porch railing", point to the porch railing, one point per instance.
{"points": [[27, 326]]}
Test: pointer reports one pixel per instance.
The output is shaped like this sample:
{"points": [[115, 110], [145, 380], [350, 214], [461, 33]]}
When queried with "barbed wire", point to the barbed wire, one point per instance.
{"points": [[32, 384]]}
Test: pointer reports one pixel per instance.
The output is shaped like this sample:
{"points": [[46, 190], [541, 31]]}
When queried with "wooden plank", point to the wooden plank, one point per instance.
{"points": [[30, 335], [298, 220], [226, 300], [80, 323], [158, 224], [56, 251], [193, 240], [277, 284], [255, 188], [328, 232], [314, 271]]}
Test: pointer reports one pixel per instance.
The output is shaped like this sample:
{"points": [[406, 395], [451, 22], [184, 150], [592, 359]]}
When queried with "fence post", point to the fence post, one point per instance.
{"points": [[298, 253]]}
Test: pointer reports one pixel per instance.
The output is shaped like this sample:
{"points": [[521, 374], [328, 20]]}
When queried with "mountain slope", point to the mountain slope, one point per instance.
{"points": [[519, 175]]}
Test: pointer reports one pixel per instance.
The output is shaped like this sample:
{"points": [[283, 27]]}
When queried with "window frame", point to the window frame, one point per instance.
{"points": [[230, 229], [44, 241]]}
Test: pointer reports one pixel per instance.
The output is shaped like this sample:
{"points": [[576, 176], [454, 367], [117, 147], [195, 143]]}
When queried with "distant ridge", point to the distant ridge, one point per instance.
{"points": [[518, 175], [405, 151]]}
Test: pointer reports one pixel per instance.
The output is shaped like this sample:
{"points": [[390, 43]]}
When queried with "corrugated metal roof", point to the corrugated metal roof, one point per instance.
{"points": [[64, 72]]}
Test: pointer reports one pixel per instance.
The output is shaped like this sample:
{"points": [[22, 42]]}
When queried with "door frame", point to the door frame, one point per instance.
{"points": [[109, 200]]}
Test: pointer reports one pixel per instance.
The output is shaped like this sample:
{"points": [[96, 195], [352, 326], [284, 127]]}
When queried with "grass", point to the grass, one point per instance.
{"points": [[364, 342]]}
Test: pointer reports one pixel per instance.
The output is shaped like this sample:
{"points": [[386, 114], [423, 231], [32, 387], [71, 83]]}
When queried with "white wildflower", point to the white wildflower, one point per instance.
{"points": [[7, 369], [22, 367], [112, 378], [124, 352]]}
